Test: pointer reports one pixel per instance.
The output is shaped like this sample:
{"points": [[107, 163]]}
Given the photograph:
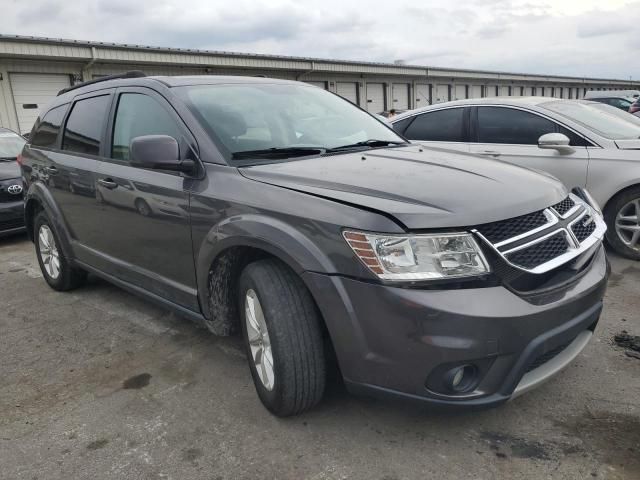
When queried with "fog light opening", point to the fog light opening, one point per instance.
{"points": [[461, 379]]}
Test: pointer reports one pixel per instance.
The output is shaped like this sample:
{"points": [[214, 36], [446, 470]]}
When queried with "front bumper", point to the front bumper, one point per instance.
{"points": [[11, 217], [392, 341]]}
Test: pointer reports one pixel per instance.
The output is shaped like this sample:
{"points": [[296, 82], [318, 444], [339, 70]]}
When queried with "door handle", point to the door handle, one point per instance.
{"points": [[52, 170], [490, 153], [107, 183]]}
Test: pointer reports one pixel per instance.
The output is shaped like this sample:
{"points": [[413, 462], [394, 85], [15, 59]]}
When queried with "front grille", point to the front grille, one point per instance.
{"points": [[11, 224], [5, 196], [539, 253], [564, 206], [498, 231], [583, 228], [545, 357]]}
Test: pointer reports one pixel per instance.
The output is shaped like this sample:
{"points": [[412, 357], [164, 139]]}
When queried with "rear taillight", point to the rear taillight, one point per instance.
{"points": [[634, 108]]}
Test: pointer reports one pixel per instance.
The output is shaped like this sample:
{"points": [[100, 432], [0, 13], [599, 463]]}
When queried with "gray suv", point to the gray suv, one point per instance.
{"points": [[279, 210]]}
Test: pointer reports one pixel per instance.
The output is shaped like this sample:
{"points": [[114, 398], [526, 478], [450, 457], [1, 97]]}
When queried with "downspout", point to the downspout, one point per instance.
{"points": [[313, 69], [87, 67]]}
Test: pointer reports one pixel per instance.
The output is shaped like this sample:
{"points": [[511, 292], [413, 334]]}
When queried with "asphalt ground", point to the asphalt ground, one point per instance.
{"points": [[99, 384]]}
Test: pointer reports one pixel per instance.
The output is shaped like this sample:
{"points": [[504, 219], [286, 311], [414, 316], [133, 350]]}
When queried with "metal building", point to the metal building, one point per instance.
{"points": [[33, 70]]}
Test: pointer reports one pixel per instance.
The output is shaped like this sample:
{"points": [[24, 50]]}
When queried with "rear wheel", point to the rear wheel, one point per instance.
{"points": [[55, 267], [623, 221], [283, 338]]}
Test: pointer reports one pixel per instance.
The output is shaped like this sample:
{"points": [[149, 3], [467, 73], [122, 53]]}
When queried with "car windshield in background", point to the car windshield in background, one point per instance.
{"points": [[605, 120], [255, 120], [10, 145]]}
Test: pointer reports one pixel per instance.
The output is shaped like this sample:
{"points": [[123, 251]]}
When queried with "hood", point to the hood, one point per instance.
{"points": [[631, 144], [420, 187], [9, 170]]}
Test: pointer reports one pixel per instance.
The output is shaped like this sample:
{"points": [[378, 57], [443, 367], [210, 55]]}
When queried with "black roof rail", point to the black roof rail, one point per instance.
{"points": [[129, 74]]}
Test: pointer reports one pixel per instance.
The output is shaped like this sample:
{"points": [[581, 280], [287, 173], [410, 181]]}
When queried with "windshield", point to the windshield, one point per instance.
{"points": [[259, 117], [10, 145], [605, 120]]}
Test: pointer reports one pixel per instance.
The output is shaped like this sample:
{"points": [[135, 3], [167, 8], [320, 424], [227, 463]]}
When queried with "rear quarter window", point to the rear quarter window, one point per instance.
{"points": [[46, 132]]}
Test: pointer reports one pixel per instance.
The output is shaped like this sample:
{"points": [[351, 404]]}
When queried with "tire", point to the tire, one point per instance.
{"points": [[67, 277], [293, 335], [143, 207], [626, 203]]}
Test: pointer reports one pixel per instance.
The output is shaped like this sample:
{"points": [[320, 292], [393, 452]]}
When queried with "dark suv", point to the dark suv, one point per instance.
{"points": [[282, 211]]}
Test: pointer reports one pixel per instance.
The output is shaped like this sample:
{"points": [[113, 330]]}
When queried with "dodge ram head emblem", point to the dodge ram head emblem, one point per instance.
{"points": [[15, 189]]}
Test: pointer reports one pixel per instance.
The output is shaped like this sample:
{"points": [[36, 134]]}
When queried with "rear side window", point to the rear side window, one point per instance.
{"points": [[507, 125], [139, 115], [439, 126], [46, 132], [83, 132]]}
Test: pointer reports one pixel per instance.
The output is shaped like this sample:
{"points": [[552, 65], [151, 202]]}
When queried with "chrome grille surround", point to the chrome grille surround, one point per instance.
{"points": [[557, 223]]}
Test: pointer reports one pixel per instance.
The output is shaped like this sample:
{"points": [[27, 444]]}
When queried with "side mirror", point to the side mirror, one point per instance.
{"points": [[555, 141], [158, 152]]}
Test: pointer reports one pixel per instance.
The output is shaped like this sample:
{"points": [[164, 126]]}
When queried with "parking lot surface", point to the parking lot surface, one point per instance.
{"points": [[99, 384]]}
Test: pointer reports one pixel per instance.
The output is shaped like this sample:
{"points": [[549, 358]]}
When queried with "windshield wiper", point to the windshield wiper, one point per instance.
{"points": [[372, 143], [277, 153]]}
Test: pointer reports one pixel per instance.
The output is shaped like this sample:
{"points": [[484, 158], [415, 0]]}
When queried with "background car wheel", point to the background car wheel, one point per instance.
{"points": [[143, 207], [283, 338], [623, 221], [56, 269]]}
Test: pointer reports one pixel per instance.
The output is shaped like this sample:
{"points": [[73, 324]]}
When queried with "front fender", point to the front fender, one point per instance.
{"points": [[267, 233]]}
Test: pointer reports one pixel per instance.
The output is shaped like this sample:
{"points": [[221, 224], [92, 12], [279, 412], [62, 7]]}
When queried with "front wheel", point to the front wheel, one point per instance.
{"points": [[623, 222], [55, 267], [283, 338]]}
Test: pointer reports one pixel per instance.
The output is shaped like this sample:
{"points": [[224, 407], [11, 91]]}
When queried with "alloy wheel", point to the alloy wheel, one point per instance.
{"points": [[49, 252], [258, 338], [628, 224]]}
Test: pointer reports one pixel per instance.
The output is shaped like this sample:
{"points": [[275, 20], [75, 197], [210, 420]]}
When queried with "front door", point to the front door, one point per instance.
{"points": [[145, 213], [511, 135]]}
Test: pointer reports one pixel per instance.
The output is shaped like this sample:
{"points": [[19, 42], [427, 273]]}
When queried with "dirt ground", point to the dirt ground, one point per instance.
{"points": [[99, 384]]}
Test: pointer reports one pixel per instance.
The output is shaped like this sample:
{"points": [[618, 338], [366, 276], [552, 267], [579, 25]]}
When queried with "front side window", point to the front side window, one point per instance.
{"points": [[439, 126], [139, 115], [259, 116], [85, 125], [46, 133], [511, 126]]}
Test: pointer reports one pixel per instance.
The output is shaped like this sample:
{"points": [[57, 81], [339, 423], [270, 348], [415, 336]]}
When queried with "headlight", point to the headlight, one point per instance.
{"points": [[419, 257], [584, 194]]}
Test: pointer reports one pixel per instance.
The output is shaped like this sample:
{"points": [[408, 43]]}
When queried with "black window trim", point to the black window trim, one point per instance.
{"points": [[466, 123], [95, 93], [474, 117], [189, 138]]}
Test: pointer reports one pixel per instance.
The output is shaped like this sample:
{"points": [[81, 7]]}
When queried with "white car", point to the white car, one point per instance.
{"points": [[585, 144]]}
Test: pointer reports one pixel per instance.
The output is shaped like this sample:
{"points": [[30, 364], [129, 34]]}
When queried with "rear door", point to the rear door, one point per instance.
{"points": [[511, 135], [146, 212], [443, 128], [71, 170]]}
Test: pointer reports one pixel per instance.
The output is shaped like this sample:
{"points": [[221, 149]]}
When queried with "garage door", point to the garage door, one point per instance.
{"points": [[442, 93], [422, 95], [503, 91], [459, 92], [400, 93], [375, 97], [492, 90], [322, 85], [31, 92], [348, 90], [475, 91]]}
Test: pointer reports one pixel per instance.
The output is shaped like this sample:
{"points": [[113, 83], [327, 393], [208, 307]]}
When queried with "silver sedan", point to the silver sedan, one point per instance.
{"points": [[584, 144]]}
